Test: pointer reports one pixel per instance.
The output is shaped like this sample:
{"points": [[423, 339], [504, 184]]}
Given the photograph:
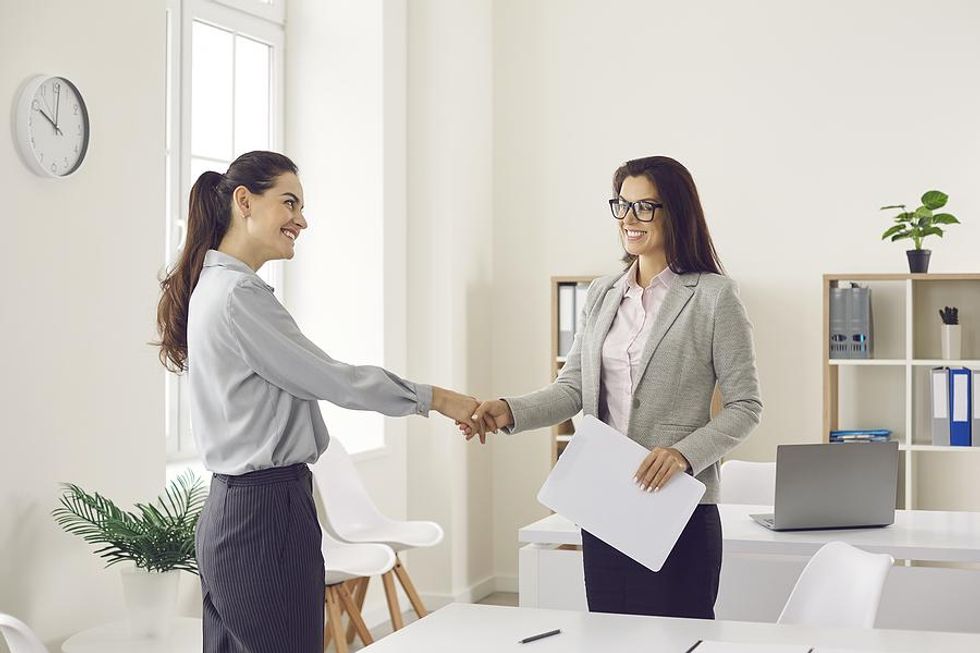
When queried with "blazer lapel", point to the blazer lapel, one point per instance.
{"points": [[678, 296], [607, 312]]}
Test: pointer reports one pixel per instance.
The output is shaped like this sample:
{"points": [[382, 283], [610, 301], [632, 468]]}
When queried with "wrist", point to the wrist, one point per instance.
{"points": [[438, 399]]}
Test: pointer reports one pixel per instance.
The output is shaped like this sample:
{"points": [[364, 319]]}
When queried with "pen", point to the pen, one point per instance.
{"points": [[533, 638], [694, 646]]}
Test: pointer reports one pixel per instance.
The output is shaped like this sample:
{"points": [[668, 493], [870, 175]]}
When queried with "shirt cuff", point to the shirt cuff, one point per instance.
{"points": [[423, 399]]}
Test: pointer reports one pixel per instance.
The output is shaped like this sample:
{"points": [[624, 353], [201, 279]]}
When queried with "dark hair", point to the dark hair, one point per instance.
{"points": [[208, 219], [687, 242]]}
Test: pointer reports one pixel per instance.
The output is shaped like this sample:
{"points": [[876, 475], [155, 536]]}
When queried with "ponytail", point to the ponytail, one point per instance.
{"points": [[208, 220]]}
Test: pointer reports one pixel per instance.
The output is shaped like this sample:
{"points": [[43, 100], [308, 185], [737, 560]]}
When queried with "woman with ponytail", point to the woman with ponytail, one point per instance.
{"points": [[254, 384]]}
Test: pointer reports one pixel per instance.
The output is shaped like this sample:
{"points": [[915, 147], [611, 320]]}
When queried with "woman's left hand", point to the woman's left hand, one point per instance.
{"points": [[658, 467]]}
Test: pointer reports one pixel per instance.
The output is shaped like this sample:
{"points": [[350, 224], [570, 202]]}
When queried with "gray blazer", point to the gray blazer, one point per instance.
{"points": [[701, 336]]}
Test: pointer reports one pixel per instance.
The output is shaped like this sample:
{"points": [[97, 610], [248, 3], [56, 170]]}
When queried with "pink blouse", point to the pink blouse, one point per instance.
{"points": [[623, 346]]}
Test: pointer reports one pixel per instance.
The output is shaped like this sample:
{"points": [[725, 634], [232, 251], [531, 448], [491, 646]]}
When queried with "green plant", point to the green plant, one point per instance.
{"points": [[922, 222], [154, 538]]}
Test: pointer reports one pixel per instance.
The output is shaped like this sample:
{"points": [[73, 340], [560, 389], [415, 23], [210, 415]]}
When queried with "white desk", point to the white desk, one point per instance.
{"points": [[186, 637], [761, 566], [494, 629]]}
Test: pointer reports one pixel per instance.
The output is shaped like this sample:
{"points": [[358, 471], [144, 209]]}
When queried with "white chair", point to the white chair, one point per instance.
{"points": [[350, 514], [840, 587], [345, 563], [20, 638], [748, 483]]}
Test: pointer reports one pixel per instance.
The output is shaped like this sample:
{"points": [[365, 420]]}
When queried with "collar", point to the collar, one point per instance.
{"points": [[214, 258], [627, 283]]}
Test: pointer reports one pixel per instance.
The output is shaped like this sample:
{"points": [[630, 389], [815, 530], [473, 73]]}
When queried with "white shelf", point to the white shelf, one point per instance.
{"points": [[561, 359], [897, 362], [892, 391], [932, 447], [566, 438]]}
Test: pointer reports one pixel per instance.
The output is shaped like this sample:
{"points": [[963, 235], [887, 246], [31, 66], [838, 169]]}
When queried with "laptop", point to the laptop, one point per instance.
{"points": [[842, 485]]}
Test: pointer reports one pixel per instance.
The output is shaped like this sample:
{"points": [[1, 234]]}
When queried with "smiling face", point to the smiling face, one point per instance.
{"points": [[641, 238], [274, 218]]}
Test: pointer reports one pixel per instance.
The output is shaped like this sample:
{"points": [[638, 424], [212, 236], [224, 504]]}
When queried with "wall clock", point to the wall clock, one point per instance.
{"points": [[52, 126]]}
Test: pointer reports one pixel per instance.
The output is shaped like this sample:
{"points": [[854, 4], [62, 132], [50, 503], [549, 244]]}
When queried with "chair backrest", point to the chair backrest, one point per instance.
{"points": [[343, 502], [20, 638], [748, 483], [840, 586]]}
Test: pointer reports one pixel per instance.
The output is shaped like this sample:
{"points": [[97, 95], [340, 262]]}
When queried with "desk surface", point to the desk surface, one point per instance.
{"points": [[915, 535], [486, 628], [186, 637]]}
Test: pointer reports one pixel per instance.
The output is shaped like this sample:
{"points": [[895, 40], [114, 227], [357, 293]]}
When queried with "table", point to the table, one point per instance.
{"points": [[495, 629], [186, 637], [937, 590]]}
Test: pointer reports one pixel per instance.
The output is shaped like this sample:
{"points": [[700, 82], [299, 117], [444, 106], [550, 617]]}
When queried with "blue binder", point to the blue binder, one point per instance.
{"points": [[960, 402]]}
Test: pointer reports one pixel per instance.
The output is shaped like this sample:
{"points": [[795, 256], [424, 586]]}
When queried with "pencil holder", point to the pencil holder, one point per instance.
{"points": [[952, 341]]}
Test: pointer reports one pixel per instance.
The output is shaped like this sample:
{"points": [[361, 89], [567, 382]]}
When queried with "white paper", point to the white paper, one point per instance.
{"points": [[592, 485], [939, 400], [961, 398]]}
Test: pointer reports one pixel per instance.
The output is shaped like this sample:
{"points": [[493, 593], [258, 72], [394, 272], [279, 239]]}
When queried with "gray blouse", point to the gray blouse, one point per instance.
{"points": [[255, 378]]}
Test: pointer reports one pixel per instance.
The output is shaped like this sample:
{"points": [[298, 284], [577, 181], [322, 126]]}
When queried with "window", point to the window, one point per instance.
{"points": [[224, 98]]}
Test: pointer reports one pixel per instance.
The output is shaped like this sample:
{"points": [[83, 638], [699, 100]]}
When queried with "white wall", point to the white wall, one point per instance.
{"points": [[797, 121], [449, 276], [82, 391]]}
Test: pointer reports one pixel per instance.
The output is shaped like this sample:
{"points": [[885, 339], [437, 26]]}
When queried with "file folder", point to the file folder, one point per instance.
{"points": [[566, 318], [939, 394], [975, 426], [839, 320], [592, 485], [960, 380]]}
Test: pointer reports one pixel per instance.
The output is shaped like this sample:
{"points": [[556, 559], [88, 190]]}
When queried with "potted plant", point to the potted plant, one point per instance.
{"points": [[918, 224], [157, 539]]}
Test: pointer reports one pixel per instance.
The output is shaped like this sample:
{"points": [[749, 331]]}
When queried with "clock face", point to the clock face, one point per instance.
{"points": [[53, 126]]}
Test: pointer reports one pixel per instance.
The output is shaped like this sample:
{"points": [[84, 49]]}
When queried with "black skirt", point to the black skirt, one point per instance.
{"points": [[686, 586]]}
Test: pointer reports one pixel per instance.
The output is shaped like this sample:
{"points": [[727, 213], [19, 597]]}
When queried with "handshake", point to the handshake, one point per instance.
{"points": [[472, 416]]}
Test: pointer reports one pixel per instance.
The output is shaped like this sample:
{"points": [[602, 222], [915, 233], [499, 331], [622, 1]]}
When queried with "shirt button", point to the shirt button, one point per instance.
{"points": [[636, 403]]}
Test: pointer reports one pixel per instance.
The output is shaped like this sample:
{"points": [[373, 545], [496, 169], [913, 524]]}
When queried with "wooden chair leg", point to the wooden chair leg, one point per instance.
{"points": [[413, 596], [336, 626], [327, 632], [360, 591], [392, 595], [355, 615]]}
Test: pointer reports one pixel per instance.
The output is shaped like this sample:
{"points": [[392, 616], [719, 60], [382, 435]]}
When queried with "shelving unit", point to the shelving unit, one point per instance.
{"points": [[561, 433], [891, 389]]}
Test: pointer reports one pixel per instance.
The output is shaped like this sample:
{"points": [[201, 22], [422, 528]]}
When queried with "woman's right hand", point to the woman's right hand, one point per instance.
{"points": [[494, 415]]}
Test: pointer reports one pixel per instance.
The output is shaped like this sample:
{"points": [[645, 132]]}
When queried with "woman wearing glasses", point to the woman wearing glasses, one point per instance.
{"points": [[651, 345]]}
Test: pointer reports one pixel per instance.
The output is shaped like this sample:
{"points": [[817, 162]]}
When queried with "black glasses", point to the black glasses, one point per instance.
{"points": [[644, 210]]}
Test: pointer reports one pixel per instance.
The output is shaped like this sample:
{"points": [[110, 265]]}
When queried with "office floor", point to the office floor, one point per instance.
{"points": [[499, 598]]}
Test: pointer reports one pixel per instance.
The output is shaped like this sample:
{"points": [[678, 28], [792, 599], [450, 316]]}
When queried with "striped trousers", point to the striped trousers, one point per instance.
{"points": [[258, 552], [686, 586]]}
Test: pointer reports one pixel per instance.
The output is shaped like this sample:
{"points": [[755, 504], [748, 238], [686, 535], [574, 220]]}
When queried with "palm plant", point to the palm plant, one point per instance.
{"points": [[155, 537]]}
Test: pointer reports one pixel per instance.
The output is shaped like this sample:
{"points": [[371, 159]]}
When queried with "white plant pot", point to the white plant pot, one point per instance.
{"points": [[952, 339], [151, 601]]}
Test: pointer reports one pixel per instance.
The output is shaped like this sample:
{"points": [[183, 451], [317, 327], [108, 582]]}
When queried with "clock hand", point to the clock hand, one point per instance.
{"points": [[48, 118], [57, 107]]}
